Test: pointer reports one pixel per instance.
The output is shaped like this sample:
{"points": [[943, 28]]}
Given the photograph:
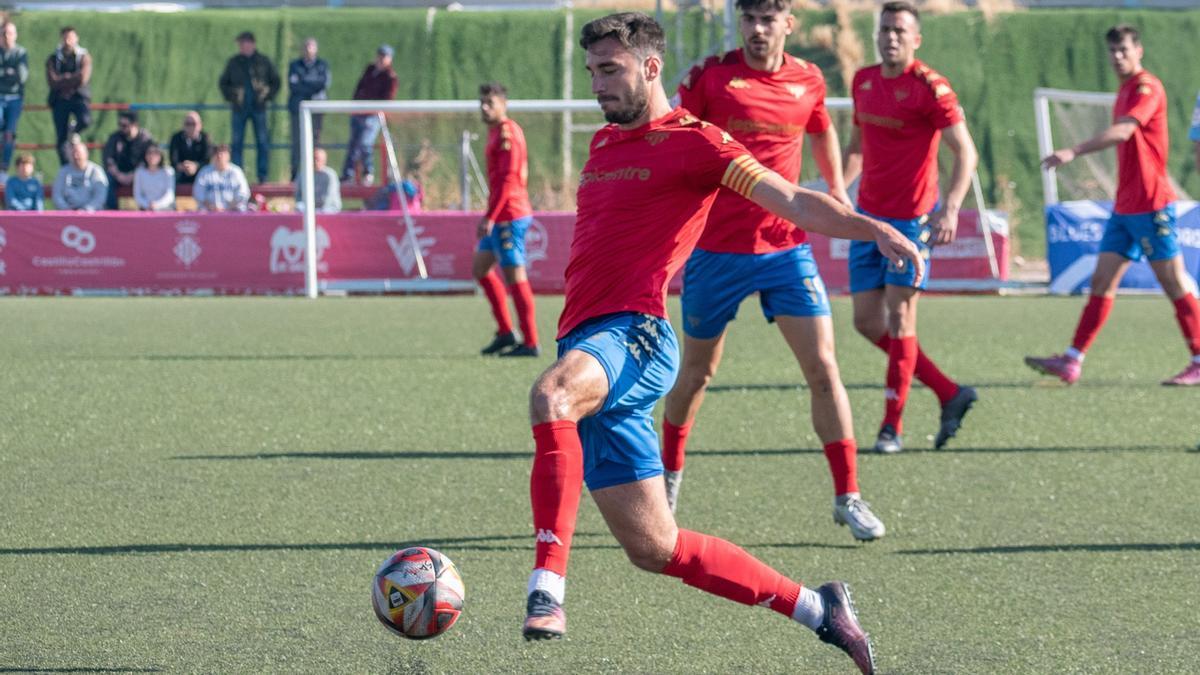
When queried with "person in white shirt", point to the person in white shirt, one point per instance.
{"points": [[154, 183], [80, 185], [221, 185]]}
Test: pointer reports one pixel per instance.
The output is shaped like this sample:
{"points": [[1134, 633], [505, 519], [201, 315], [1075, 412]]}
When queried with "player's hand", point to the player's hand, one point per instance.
{"points": [[903, 253], [484, 228], [842, 197], [1059, 158], [944, 226]]}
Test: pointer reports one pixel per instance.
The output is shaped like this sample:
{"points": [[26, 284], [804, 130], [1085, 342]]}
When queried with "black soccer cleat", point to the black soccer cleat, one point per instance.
{"points": [[840, 626], [953, 413], [544, 617], [501, 341], [523, 350]]}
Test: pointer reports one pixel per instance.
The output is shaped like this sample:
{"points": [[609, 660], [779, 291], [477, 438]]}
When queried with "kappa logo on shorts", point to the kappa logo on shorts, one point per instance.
{"points": [[548, 537]]}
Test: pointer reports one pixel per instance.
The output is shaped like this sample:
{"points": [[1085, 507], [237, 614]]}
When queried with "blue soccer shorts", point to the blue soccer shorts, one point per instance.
{"points": [[1134, 235], [869, 269], [715, 284], [640, 356], [507, 242]]}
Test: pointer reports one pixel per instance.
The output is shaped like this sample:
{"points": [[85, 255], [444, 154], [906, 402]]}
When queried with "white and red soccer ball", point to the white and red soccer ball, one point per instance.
{"points": [[417, 593]]}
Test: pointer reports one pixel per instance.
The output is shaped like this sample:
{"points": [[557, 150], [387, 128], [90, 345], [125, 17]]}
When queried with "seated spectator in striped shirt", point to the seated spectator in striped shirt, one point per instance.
{"points": [[153, 183], [80, 185], [190, 148], [221, 186], [327, 191], [23, 190]]}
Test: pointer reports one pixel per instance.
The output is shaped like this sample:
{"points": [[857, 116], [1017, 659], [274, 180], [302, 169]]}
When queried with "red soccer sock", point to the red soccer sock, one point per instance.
{"points": [[927, 372], [1095, 313], [902, 361], [843, 465], [523, 299], [721, 568], [554, 489], [674, 440], [1187, 312], [493, 288]]}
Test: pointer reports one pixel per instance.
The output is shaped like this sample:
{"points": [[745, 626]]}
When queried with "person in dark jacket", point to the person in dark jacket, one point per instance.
{"points": [[378, 83], [123, 153], [190, 149], [14, 72], [68, 73], [309, 79], [250, 82]]}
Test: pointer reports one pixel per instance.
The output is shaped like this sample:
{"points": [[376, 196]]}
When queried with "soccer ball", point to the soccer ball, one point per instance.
{"points": [[417, 593]]}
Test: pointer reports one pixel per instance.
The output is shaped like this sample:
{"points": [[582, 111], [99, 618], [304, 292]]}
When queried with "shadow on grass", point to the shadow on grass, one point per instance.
{"points": [[971, 450], [878, 386], [283, 357], [368, 455], [78, 669], [1059, 548]]}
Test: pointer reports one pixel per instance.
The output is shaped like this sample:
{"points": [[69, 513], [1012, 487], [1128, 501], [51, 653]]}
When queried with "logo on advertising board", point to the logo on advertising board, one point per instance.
{"points": [[537, 242], [288, 247], [402, 248], [79, 239], [187, 249], [3, 243], [82, 243]]}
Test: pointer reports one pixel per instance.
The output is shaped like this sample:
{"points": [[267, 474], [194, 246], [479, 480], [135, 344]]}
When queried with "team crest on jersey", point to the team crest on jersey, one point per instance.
{"points": [[865, 86], [738, 83], [796, 90], [656, 137], [902, 94], [1144, 89]]}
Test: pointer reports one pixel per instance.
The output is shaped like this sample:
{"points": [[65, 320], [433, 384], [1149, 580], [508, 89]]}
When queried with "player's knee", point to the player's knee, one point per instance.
{"points": [[549, 401], [696, 379], [649, 554], [870, 328]]}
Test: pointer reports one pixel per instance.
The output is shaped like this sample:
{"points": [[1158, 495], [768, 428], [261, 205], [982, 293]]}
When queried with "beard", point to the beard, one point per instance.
{"points": [[633, 109]]}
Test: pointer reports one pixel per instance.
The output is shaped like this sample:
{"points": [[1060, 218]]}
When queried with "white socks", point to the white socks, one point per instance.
{"points": [[545, 580], [1073, 354], [810, 609]]}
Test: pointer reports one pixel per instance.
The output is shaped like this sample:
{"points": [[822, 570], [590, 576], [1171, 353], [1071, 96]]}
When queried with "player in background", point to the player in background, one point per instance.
{"points": [[501, 230], [644, 195], [1143, 218], [902, 108], [767, 100]]}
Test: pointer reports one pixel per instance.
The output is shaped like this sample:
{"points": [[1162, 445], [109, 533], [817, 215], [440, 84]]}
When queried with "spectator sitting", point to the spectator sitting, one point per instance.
{"points": [[124, 153], [189, 149], [378, 83], [387, 198], [14, 72], [80, 185], [68, 74], [23, 190], [250, 82], [327, 191], [221, 186], [153, 183]]}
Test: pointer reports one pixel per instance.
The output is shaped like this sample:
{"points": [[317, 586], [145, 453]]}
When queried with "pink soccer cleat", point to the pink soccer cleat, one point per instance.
{"points": [[1190, 377], [1063, 367]]}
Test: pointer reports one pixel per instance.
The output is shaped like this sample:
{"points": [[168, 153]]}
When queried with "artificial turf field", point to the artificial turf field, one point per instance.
{"points": [[207, 485]]}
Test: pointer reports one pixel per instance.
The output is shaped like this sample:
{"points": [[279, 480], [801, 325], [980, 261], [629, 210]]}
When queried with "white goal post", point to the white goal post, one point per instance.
{"points": [[564, 107]]}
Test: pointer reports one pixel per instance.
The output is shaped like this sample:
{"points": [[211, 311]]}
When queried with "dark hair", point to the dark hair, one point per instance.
{"points": [[635, 31], [154, 147], [245, 36], [66, 29], [771, 5], [897, 6], [24, 158], [130, 115], [219, 147], [492, 89], [1119, 32]]}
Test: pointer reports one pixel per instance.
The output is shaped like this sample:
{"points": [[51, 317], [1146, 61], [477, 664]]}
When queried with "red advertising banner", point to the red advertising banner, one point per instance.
{"points": [[264, 253]]}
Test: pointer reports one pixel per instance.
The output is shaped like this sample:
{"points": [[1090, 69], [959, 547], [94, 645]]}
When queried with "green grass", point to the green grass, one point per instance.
{"points": [[207, 485]]}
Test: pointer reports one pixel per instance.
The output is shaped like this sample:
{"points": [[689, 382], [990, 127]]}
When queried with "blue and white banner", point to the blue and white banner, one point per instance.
{"points": [[1073, 232]]}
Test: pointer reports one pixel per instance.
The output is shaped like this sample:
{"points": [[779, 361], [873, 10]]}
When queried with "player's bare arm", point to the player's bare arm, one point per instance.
{"points": [[825, 215], [852, 159], [1119, 132], [828, 156], [945, 221]]}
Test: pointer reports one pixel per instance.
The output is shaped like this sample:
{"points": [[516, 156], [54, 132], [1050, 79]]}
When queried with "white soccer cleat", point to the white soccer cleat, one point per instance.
{"points": [[673, 480], [853, 512]]}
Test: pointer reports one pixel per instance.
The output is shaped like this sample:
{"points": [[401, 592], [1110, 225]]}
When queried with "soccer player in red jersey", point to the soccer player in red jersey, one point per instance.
{"points": [[1143, 218], [644, 195], [768, 101], [902, 109], [501, 230]]}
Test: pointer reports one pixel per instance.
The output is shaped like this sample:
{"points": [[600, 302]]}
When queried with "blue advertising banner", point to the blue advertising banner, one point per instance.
{"points": [[1073, 232]]}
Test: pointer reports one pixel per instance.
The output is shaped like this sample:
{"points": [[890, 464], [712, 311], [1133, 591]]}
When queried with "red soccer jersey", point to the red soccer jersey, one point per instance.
{"points": [[769, 113], [1142, 184], [643, 198], [508, 173], [901, 121]]}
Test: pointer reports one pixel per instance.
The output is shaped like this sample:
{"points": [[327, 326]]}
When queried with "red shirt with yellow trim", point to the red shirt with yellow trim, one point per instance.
{"points": [[643, 198], [901, 121], [1142, 183], [769, 113], [508, 173]]}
